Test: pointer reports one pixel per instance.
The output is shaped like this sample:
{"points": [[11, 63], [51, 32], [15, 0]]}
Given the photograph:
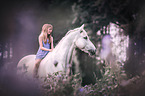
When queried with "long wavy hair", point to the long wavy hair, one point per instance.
{"points": [[44, 32]]}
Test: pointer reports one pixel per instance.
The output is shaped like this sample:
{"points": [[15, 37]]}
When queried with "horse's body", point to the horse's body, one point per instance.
{"points": [[59, 59]]}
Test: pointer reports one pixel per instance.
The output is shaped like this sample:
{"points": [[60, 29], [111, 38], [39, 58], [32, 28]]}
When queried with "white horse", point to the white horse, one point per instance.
{"points": [[59, 59]]}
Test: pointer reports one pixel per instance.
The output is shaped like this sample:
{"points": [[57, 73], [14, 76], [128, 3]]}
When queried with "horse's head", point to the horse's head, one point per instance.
{"points": [[83, 42]]}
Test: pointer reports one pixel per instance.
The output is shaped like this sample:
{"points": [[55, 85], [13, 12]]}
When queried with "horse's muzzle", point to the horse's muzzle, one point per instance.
{"points": [[92, 52]]}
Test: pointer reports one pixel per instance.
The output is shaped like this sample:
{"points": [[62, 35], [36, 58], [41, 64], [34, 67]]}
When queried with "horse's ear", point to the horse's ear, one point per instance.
{"points": [[82, 27]]}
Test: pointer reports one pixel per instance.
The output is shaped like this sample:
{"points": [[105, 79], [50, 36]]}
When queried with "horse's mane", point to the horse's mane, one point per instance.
{"points": [[70, 31]]}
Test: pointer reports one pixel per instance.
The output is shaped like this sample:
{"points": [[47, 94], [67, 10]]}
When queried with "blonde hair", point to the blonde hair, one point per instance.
{"points": [[44, 32]]}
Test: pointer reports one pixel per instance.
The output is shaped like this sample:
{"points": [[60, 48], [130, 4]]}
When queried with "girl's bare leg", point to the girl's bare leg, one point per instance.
{"points": [[37, 63]]}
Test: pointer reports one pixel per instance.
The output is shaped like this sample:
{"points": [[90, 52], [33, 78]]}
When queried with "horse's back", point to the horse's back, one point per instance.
{"points": [[26, 64], [25, 59]]}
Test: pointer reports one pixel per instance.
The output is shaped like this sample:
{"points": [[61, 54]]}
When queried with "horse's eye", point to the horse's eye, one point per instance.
{"points": [[86, 37], [81, 31]]}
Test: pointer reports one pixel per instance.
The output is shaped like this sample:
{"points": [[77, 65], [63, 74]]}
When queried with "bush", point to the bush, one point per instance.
{"points": [[59, 84]]}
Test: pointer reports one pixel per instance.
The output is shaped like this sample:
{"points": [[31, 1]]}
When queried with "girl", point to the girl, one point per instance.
{"points": [[45, 46]]}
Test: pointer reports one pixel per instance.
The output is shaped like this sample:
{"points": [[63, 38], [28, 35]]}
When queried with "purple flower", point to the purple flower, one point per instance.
{"points": [[81, 89]]}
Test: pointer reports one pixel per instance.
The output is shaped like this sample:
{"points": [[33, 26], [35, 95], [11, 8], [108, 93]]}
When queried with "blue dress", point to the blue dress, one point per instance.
{"points": [[41, 53]]}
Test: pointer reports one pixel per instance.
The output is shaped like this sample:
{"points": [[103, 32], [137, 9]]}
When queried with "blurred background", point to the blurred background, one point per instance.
{"points": [[115, 27]]}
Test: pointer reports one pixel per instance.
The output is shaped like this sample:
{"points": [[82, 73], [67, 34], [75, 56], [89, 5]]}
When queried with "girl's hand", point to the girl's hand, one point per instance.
{"points": [[50, 50]]}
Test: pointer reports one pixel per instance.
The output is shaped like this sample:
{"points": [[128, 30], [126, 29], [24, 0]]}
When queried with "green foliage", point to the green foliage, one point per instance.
{"points": [[104, 86], [59, 84]]}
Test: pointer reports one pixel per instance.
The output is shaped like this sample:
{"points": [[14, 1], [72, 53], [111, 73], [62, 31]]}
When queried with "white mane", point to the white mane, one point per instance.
{"points": [[70, 31]]}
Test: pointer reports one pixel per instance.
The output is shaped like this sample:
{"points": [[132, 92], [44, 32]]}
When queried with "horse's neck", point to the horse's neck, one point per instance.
{"points": [[65, 47]]}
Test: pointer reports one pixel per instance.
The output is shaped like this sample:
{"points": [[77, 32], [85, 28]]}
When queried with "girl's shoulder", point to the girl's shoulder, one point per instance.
{"points": [[40, 36]]}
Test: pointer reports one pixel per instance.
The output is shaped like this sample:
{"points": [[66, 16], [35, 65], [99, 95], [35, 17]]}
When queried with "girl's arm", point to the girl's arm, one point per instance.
{"points": [[52, 47], [41, 44]]}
